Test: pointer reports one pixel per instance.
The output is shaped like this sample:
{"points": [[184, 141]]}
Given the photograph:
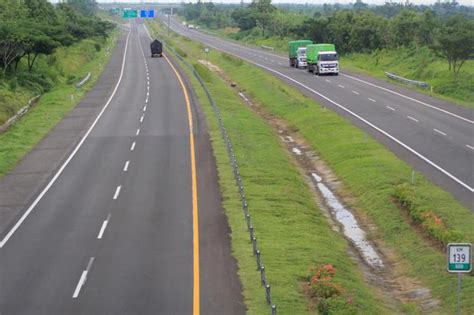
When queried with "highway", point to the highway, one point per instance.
{"points": [[435, 137], [131, 223]]}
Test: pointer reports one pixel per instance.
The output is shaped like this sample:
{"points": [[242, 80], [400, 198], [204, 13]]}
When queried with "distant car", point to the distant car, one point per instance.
{"points": [[191, 26]]}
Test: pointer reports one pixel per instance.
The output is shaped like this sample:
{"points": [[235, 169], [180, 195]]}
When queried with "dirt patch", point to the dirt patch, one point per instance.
{"points": [[390, 280]]}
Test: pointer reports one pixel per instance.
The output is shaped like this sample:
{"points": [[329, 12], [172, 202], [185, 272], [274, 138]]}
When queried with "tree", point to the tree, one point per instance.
{"points": [[263, 10], [359, 5], [85, 7], [455, 42]]}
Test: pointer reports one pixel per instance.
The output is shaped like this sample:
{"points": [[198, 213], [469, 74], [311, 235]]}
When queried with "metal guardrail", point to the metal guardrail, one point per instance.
{"points": [[83, 81], [238, 182], [267, 47], [407, 81], [19, 114]]}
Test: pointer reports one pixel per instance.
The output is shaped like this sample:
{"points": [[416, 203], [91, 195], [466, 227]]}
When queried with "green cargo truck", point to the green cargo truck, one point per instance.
{"points": [[322, 59], [293, 50]]}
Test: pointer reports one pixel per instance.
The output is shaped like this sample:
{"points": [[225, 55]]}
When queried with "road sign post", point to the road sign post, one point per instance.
{"points": [[459, 261]]}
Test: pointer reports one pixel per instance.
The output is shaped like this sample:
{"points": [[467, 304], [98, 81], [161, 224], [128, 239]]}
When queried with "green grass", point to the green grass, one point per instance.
{"points": [[73, 63], [367, 169]]}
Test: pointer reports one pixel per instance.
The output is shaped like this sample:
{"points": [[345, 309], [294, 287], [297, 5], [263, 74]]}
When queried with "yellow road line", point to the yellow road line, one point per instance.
{"points": [[196, 295]]}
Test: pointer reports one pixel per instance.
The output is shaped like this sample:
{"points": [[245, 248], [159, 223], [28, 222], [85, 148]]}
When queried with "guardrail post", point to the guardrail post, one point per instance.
{"points": [[268, 294], [254, 243], [263, 278], [274, 309], [259, 260]]}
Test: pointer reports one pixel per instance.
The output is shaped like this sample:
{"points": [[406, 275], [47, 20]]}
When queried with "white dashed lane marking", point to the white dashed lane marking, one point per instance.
{"points": [[414, 119], [117, 192], [440, 132]]}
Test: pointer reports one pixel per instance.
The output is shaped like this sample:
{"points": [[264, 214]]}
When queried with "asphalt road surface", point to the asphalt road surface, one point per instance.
{"points": [[435, 137], [133, 223]]}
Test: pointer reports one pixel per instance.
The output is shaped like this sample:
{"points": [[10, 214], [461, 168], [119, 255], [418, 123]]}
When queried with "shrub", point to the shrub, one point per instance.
{"points": [[234, 60], [427, 219], [97, 47]]}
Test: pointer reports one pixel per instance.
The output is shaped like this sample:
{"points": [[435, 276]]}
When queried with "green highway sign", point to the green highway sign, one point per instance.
{"points": [[129, 13], [459, 257]]}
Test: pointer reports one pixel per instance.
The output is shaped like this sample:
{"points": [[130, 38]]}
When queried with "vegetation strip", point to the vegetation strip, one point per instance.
{"points": [[293, 235], [369, 172]]}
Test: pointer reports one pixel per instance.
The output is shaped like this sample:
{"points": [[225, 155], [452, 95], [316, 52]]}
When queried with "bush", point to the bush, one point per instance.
{"points": [[427, 219], [329, 295], [203, 72], [234, 60], [97, 47]]}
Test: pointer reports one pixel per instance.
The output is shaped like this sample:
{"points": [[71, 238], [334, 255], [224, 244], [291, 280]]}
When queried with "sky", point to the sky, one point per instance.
{"points": [[463, 2]]}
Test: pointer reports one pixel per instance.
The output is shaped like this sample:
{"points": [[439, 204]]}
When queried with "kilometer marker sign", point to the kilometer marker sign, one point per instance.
{"points": [[459, 257]]}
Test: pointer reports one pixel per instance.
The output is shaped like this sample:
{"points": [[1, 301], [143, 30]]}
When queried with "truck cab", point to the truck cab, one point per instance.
{"points": [[322, 59], [301, 58], [328, 62]]}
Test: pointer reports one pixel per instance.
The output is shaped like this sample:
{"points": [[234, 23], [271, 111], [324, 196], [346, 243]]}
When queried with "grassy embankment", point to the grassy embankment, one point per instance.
{"points": [[416, 64], [63, 69], [370, 172], [293, 234]]}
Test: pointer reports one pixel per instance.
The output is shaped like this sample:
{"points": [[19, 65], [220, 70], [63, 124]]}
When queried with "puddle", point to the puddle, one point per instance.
{"points": [[296, 151], [350, 225]]}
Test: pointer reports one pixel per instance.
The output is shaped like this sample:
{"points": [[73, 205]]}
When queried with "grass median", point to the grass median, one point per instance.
{"points": [[75, 62], [293, 234], [368, 171]]}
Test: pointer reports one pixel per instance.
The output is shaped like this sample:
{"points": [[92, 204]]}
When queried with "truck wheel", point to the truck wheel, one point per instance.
{"points": [[316, 72]]}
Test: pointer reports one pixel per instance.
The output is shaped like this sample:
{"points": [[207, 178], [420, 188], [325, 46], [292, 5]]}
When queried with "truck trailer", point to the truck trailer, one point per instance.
{"points": [[322, 59], [156, 49], [293, 50]]}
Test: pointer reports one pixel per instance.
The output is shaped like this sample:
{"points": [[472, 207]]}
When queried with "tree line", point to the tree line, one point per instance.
{"points": [[30, 28], [447, 28]]}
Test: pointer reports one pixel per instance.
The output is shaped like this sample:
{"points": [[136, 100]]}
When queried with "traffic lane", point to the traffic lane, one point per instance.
{"points": [[464, 195], [458, 132], [220, 291], [73, 210], [349, 79], [291, 73], [144, 264]]}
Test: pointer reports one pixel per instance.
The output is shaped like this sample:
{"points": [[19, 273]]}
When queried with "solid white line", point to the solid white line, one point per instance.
{"points": [[371, 99], [355, 92], [102, 229], [82, 279], [414, 119], [442, 170], [361, 118], [138, 131], [440, 132], [125, 167], [133, 146], [328, 81], [141, 119], [470, 146], [439, 168], [391, 108], [117, 192], [409, 98], [340, 85], [58, 173]]}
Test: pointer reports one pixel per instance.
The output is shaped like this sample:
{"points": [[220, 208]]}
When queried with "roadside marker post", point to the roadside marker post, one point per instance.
{"points": [[459, 260]]}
